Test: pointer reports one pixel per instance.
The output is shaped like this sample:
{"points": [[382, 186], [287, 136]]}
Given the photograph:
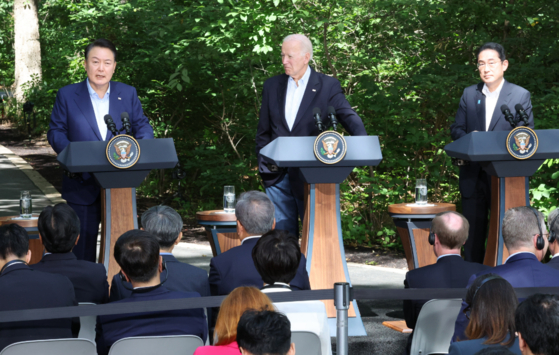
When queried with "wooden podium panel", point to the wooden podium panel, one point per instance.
{"points": [[221, 239]]}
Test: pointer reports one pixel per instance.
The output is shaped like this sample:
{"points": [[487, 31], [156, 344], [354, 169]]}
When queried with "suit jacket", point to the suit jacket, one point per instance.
{"points": [[470, 347], [554, 263], [448, 272], [24, 288], [322, 91], [73, 120], [521, 270], [471, 117], [89, 279], [111, 328], [235, 268]]}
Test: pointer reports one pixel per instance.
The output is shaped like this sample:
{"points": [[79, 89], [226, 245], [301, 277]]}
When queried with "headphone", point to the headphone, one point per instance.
{"points": [[540, 242], [552, 235], [13, 262], [431, 233], [141, 290]]}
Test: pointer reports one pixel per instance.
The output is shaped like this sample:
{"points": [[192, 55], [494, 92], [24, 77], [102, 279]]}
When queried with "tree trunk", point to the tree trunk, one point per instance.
{"points": [[27, 46]]}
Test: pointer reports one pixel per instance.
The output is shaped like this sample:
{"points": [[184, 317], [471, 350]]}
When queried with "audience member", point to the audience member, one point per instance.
{"points": [[264, 333], [23, 288], [59, 229], [276, 257], [234, 268], [137, 254], [492, 303], [525, 237], [553, 224], [537, 324], [232, 308]]}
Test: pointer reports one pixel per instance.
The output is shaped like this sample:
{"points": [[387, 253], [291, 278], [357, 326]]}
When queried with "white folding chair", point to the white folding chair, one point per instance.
{"points": [[435, 326], [307, 343], [168, 345], [87, 325], [52, 347]]}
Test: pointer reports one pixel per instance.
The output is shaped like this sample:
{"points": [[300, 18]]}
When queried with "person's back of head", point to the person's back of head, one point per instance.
{"points": [[264, 333], [276, 256], [232, 308], [492, 302], [255, 212], [451, 228], [537, 322], [137, 254], [520, 225], [163, 223], [14, 244], [59, 228]]}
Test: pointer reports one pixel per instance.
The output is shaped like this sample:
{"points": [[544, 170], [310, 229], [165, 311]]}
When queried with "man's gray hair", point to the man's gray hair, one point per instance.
{"points": [[164, 223], [553, 218], [306, 45], [519, 227], [256, 212]]}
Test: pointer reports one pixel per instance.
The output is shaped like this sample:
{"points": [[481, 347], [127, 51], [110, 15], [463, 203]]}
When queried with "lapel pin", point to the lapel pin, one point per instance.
{"points": [[314, 90], [119, 98], [478, 101]]}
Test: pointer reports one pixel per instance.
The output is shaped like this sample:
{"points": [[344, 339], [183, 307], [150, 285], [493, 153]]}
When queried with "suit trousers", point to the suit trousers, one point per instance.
{"points": [[90, 217], [476, 210], [288, 207]]}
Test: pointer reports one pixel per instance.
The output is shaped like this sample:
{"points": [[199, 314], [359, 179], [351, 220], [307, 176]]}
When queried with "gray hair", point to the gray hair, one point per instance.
{"points": [[256, 212], [164, 223], [519, 227], [553, 217], [306, 45]]}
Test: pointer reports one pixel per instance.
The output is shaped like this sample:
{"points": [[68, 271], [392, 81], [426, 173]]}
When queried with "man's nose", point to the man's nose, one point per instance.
{"points": [[284, 60]]}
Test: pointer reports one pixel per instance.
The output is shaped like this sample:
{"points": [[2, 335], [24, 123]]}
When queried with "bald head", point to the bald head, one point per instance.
{"points": [[451, 228]]}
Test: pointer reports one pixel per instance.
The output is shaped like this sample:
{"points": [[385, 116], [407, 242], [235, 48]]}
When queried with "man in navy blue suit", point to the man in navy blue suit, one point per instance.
{"points": [[480, 111], [235, 267], [288, 101], [78, 115], [137, 254], [523, 268], [553, 224], [59, 229]]}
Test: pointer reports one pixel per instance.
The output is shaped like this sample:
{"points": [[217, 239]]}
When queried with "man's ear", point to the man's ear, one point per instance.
{"points": [[160, 263], [78, 238], [522, 344], [28, 257], [274, 224], [291, 350], [179, 238]]}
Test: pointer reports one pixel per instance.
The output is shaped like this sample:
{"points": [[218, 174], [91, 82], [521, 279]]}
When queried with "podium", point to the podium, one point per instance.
{"points": [[118, 195], [322, 241], [509, 177]]}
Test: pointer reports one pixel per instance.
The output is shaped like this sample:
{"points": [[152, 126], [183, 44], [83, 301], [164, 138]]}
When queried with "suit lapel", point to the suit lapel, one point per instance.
{"points": [[83, 101], [504, 98], [282, 92], [115, 108], [480, 108], [311, 93]]}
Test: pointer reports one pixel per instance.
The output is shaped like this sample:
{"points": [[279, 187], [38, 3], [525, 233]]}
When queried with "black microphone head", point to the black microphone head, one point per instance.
{"points": [[124, 116], [504, 108], [107, 118], [518, 107], [316, 110], [331, 110]]}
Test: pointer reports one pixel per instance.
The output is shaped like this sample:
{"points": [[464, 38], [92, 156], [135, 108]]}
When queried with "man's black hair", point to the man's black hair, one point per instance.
{"points": [[495, 350], [59, 227], [494, 46], [276, 256], [137, 254], [264, 333], [103, 43], [13, 241], [537, 320]]}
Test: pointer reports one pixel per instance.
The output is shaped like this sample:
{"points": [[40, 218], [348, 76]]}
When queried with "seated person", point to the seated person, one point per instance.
{"points": [[537, 324], [59, 229], [137, 254], [165, 224], [264, 333], [491, 312], [234, 268], [276, 257], [495, 350], [232, 308], [525, 237], [553, 224], [23, 288]]}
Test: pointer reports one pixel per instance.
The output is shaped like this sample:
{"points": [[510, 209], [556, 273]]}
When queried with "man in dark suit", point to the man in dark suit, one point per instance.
{"points": [[553, 224], [235, 267], [523, 268], [480, 111], [450, 271], [78, 115], [537, 324], [59, 229], [24, 288], [137, 254], [288, 101]]}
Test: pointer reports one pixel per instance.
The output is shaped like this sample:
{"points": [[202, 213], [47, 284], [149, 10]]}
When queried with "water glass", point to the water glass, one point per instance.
{"points": [[421, 191], [229, 199], [25, 205]]}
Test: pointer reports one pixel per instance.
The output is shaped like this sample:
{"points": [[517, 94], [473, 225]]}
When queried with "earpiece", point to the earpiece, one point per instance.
{"points": [[431, 236], [540, 242]]}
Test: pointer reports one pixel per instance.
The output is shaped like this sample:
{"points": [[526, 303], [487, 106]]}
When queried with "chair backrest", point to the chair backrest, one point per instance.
{"points": [[307, 343], [52, 347], [168, 345], [435, 326], [87, 324]]}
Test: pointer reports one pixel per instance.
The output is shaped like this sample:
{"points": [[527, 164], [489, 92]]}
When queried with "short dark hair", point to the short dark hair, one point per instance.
{"points": [[495, 350], [537, 320], [164, 223], [103, 43], [59, 227], [494, 46], [137, 254], [13, 241], [276, 256], [264, 333]]}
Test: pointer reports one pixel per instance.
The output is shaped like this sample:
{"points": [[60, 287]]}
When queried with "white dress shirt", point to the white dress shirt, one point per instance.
{"points": [[100, 107], [491, 99], [251, 237], [294, 96]]}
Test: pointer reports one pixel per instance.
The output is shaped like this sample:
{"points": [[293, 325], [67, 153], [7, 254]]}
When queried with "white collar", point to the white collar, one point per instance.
{"points": [[251, 237], [442, 256], [486, 91], [305, 77], [92, 92], [520, 252], [554, 255]]}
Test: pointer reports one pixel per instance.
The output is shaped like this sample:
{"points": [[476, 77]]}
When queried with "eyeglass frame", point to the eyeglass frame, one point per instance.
{"points": [[491, 65]]}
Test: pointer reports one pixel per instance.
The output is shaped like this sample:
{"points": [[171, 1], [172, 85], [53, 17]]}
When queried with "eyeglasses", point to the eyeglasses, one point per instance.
{"points": [[491, 65], [467, 311]]}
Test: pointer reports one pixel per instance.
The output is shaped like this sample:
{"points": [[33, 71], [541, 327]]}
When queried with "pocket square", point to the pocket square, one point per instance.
{"points": [[314, 90]]}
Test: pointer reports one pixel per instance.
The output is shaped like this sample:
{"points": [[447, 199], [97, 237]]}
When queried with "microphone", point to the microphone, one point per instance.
{"points": [[126, 122], [523, 115], [508, 116], [110, 124], [332, 117], [316, 114]]}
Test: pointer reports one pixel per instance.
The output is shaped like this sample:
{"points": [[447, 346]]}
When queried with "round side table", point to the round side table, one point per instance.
{"points": [[30, 225], [221, 229]]}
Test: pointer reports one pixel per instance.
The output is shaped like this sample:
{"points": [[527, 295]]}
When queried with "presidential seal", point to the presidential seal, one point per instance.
{"points": [[330, 147], [522, 142], [123, 151]]}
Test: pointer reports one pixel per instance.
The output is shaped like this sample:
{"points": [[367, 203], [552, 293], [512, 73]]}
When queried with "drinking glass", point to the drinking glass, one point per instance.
{"points": [[421, 191], [25, 205], [229, 199]]}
